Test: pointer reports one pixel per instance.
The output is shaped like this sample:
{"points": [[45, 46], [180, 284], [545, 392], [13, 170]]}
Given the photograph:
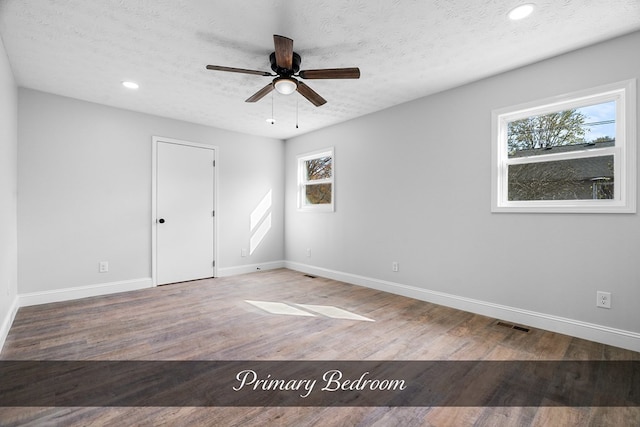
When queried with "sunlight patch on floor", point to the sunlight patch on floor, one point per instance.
{"points": [[334, 312], [309, 310], [279, 308]]}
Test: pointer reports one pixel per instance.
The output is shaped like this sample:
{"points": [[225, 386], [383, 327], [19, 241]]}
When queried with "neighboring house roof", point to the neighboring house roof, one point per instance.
{"points": [[583, 169], [563, 148]]}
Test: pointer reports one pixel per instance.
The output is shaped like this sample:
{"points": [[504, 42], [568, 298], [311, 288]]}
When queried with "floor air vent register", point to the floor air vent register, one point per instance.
{"points": [[510, 326]]}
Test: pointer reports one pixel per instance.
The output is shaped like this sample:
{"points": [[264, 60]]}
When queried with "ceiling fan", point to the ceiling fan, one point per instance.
{"points": [[286, 65]]}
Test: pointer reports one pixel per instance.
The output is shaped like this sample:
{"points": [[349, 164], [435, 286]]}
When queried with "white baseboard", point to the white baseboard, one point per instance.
{"points": [[576, 328], [8, 321], [249, 268], [67, 294]]}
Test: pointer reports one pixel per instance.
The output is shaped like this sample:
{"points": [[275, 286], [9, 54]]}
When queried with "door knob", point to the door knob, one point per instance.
{"points": [[161, 220]]}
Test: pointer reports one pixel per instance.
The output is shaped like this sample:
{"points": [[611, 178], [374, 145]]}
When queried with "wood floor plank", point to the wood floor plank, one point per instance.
{"points": [[211, 320]]}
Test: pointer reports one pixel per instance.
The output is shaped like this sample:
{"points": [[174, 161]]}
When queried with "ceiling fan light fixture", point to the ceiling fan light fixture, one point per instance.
{"points": [[521, 11], [285, 85]]}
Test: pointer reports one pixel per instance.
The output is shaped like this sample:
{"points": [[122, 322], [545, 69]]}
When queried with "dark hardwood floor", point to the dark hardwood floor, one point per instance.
{"points": [[212, 320]]}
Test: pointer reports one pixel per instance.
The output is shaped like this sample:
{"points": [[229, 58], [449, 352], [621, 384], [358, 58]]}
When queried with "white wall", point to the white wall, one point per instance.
{"points": [[84, 185], [8, 201], [413, 186]]}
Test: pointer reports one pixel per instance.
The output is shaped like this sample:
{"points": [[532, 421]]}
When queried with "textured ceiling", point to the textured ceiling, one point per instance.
{"points": [[405, 50]]}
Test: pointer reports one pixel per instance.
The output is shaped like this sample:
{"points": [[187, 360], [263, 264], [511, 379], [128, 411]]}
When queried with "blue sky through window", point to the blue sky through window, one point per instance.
{"points": [[600, 120]]}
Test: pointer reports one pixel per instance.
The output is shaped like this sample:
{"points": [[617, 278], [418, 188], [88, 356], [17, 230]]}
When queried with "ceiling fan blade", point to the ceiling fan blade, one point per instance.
{"points": [[260, 94], [331, 73], [238, 70], [310, 94], [284, 51]]}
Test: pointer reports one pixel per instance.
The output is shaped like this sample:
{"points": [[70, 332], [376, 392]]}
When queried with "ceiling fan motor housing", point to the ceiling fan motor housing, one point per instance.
{"points": [[284, 72]]}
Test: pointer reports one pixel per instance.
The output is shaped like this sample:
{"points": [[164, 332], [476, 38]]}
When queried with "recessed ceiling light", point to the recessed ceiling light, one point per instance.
{"points": [[521, 12], [130, 85]]}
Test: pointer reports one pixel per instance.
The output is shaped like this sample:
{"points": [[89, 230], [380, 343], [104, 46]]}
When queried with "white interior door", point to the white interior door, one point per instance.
{"points": [[184, 212]]}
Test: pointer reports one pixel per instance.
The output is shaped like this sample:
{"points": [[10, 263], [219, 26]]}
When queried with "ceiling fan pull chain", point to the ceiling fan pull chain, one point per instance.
{"points": [[296, 113]]}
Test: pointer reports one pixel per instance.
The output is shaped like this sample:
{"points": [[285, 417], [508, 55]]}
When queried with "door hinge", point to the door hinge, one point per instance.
{"points": [[213, 213], [214, 163], [214, 263]]}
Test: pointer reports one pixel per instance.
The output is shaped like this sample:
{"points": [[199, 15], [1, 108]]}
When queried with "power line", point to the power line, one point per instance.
{"points": [[604, 122]]}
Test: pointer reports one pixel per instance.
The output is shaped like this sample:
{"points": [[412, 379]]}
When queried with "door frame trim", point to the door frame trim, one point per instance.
{"points": [[155, 140]]}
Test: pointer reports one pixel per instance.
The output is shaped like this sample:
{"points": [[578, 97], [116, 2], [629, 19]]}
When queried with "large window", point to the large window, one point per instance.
{"points": [[315, 181], [573, 153]]}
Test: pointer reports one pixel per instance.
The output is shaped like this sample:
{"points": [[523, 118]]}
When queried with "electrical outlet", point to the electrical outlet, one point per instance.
{"points": [[603, 299], [308, 252], [243, 252], [103, 266], [395, 266]]}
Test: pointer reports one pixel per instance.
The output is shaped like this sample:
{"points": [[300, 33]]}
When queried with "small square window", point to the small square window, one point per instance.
{"points": [[573, 153], [315, 181]]}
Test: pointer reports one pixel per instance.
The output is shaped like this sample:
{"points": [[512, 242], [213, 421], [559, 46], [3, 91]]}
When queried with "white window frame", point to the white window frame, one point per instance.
{"points": [[624, 151], [303, 182]]}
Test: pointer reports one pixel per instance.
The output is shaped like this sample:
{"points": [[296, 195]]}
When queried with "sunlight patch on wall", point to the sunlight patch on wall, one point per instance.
{"points": [[260, 210], [260, 222], [259, 234]]}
